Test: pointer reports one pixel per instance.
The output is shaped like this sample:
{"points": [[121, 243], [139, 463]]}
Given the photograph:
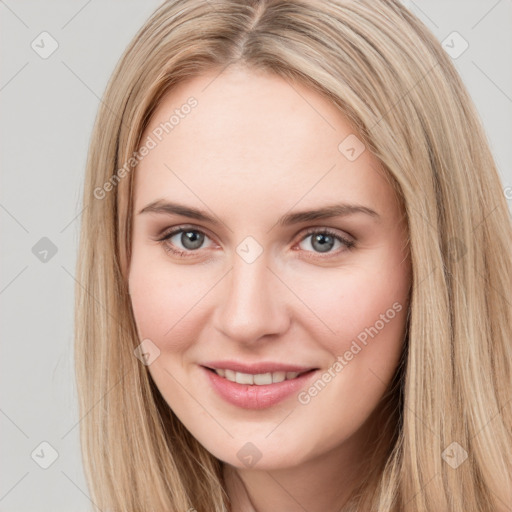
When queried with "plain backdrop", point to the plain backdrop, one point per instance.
{"points": [[48, 104]]}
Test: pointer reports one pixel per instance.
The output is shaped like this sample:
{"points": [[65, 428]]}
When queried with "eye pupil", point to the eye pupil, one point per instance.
{"points": [[192, 237], [321, 239]]}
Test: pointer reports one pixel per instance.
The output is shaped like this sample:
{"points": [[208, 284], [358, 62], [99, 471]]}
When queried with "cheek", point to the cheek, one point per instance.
{"points": [[365, 311], [161, 299], [350, 304]]}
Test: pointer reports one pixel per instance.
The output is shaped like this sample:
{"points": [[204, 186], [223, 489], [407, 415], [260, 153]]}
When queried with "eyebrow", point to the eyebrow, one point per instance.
{"points": [[329, 211]]}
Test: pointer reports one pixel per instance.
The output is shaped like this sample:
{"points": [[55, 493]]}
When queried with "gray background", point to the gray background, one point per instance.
{"points": [[48, 108]]}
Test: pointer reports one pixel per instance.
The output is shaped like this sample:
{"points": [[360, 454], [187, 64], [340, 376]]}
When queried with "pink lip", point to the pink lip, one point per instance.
{"points": [[255, 368], [249, 396]]}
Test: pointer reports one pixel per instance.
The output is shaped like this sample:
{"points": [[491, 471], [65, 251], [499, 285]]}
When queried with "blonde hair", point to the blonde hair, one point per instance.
{"points": [[391, 78]]}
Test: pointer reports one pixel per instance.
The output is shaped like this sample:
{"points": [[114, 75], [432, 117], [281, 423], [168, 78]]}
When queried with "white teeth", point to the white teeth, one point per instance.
{"points": [[263, 378], [244, 378], [278, 376], [230, 375], [260, 379]]}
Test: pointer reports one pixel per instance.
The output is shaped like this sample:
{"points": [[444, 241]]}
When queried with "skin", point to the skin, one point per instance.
{"points": [[252, 150]]}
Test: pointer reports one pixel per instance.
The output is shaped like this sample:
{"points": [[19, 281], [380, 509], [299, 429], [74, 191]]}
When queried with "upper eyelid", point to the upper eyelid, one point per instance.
{"points": [[306, 232], [166, 233]]}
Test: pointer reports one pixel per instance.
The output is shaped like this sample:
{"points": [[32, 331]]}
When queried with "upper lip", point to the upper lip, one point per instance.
{"points": [[257, 368]]}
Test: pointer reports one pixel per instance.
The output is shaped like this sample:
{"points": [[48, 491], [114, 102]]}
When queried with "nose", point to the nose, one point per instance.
{"points": [[252, 302]]}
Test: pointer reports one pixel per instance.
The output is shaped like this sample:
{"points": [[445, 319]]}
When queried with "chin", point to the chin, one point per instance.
{"points": [[264, 456]]}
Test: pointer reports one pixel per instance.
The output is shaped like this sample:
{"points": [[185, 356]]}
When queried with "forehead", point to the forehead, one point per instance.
{"points": [[256, 138]]}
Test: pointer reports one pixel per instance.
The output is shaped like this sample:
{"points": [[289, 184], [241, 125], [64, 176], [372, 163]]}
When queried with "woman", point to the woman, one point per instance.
{"points": [[295, 269]]}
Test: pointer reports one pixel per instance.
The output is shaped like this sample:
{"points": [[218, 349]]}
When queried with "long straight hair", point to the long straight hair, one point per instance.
{"points": [[452, 448]]}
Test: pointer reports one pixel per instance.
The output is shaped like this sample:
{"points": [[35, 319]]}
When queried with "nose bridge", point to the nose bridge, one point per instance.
{"points": [[250, 305]]}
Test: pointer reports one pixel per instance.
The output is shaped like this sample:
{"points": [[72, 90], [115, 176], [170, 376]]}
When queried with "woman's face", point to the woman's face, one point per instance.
{"points": [[257, 285]]}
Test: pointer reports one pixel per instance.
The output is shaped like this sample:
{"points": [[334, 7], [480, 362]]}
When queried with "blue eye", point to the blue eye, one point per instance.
{"points": [[192, 239], [323, 240]]}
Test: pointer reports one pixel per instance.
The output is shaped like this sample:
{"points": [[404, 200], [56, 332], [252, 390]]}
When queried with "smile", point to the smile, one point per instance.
{"points": [[256, 390], [259, 379]]}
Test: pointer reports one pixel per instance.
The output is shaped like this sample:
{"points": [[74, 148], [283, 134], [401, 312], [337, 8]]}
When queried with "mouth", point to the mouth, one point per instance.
{"points": [[258, 387], [258, 379]]}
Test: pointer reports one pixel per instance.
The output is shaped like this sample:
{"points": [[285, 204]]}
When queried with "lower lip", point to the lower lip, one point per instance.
{"points": [[253, 396]]}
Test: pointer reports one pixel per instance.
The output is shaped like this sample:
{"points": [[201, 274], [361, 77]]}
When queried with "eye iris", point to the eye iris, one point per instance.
{"points": [[324, 246], [192, 237]]}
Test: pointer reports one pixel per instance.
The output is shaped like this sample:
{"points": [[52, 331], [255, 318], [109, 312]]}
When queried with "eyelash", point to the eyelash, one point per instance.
{"points": [[349, 244]]}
